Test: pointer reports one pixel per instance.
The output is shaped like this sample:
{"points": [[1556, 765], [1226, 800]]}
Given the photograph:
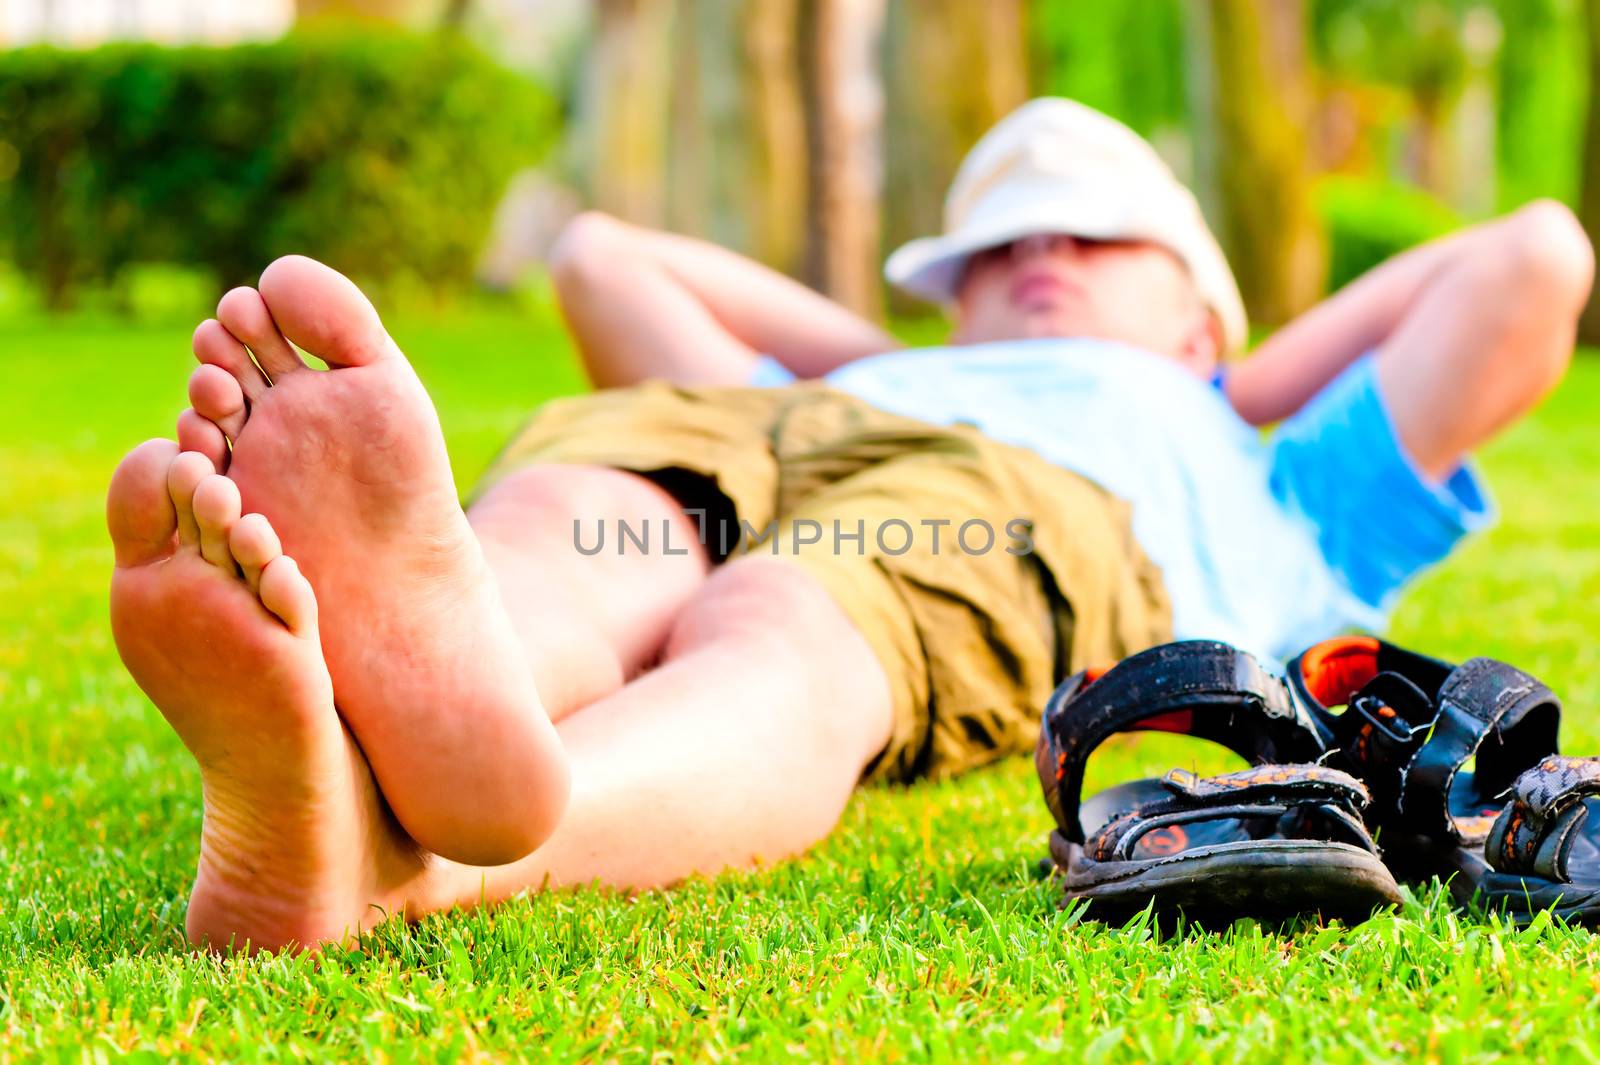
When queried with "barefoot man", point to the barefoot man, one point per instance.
{"points": [[680, 622]]}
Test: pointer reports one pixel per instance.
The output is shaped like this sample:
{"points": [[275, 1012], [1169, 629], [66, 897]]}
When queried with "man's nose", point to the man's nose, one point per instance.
{"points": [[1042, 244]]}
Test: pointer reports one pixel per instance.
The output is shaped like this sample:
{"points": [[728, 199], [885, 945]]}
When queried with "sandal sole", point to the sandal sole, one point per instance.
{"points": [[1269, 879]]}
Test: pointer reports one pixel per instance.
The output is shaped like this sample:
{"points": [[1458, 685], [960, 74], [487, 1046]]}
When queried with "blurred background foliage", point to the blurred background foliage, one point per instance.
{"points": [[381, 150], [420, 144]]}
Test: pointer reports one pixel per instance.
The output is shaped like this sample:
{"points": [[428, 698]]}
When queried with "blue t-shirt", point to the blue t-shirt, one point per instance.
{"points": [[1267, 543]]}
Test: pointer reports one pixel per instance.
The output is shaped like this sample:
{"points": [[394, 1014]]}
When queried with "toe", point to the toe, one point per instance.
{"points": [[324, 313], [216, 395], [196, 433], [139, 512], [215, 346], [216, 509], [183, 477], [245, 315], [287, 593], [254, 544]]}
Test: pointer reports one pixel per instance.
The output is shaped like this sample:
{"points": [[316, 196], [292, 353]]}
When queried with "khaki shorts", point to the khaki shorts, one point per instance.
{"points": [[973, 629]]}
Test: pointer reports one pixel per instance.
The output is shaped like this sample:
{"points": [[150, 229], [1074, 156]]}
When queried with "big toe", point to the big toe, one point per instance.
{"points": [[323, 312], [139, 510]]}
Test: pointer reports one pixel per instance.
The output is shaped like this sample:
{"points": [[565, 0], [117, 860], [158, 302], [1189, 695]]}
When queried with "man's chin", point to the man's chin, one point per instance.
{"points": [[1051, 326], [1048, 332], [1027, 327]]}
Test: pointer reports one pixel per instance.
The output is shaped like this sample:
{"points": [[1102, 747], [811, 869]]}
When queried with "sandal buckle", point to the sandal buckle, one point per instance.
{"points": [[1391, 725]]}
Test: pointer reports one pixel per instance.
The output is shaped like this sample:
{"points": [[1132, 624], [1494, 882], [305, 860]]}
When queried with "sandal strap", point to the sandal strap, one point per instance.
{"points": [[1535, 832], [1411, 722], [1270, 783], [1388, 696], [1198, 688], [1488, 711], [1264, 791]]}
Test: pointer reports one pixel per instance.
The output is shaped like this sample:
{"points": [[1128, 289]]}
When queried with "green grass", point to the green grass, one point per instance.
{"points": [[918, 931]]}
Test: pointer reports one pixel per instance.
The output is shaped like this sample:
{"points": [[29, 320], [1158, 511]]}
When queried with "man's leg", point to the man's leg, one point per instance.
{"points": [[588, 622], [743, 745], [453, 644], [1488, 337], [746, 742], [760, 709]]}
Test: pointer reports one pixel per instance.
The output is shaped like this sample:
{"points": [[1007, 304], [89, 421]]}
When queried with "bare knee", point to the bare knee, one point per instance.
{"points": [[1534, 262], [553, 497], [758, 599], [776, 610], [584, 250], [590, 612], [1524, 289], [558, 487], [1550, 257]]}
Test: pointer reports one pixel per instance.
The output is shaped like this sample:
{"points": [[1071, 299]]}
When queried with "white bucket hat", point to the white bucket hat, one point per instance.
{"points": [[1057, 166]]}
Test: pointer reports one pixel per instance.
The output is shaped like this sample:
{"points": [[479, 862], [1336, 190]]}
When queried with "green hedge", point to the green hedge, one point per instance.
{"points": [[381, 152], [1369, 220]]}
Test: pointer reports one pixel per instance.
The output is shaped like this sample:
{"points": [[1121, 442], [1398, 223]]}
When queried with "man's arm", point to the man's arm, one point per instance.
{"points": [[644, 304], [1470, 331]]}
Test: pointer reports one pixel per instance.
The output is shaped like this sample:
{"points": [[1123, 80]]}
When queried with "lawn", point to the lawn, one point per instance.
{"points": [[918, 931]]}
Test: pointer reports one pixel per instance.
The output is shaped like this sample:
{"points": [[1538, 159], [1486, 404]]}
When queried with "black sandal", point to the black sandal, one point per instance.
{"points": [[1410, 725], [1544, 849], [1280, 839]]}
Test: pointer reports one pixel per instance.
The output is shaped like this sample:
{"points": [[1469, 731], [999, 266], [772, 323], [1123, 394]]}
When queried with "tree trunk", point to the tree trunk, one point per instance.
{"points": [[380, 10], [937, 116], [625, 112], [455, 14], [738, 132], [776, 196], [689, 145], [844, 118], [1251, 110], [1472, 134], [1589, 191]]}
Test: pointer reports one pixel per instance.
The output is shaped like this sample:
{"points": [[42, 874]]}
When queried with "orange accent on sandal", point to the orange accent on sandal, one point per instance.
{"points": [[1511, 835], [1164, 841], [1363, 741], [1334, 670], [1179, 721]]}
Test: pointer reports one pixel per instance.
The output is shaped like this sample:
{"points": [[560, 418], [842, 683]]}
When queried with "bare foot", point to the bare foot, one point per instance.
{"points": [[350, 465], [219, 628]]}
